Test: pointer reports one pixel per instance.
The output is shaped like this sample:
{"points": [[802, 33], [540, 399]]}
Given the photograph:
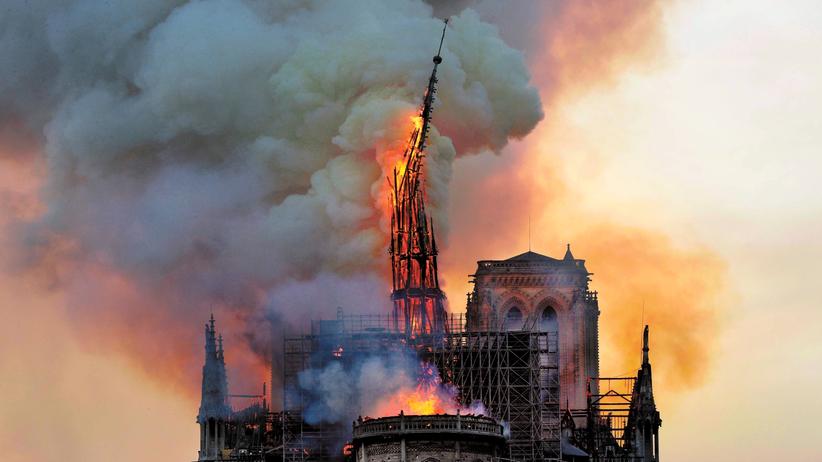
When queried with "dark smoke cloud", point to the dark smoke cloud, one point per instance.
{"points": [[228, 155], [573, 47]]}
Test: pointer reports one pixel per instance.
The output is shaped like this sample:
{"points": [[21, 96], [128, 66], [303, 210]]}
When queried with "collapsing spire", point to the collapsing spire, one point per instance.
{"points": [[419, 303]]}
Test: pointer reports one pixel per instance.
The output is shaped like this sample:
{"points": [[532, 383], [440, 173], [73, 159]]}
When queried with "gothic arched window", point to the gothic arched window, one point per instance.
{"points": [[548, 320], [513, 319]]}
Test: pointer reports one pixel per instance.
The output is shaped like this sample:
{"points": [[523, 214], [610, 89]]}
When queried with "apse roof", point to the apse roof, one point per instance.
{"points": [[532, 256], [530, 261]]}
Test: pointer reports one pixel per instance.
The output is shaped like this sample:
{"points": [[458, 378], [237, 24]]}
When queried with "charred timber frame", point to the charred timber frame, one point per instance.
{"points": [[419, 303]]}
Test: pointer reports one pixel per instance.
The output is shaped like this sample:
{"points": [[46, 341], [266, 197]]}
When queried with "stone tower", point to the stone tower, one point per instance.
{"points": [[532, 291]]}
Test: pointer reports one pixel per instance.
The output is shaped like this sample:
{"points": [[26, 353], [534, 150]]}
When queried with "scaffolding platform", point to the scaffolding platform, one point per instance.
{"points": [[515, 374]]}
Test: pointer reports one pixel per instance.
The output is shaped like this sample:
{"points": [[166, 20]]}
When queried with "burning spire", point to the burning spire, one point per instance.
{"points": [[419, 306]]}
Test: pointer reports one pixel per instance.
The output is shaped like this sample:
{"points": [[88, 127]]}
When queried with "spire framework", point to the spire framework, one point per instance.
{"points": [[419, 303]]}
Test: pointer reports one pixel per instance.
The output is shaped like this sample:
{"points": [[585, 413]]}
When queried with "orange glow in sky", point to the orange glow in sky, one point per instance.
{"points": [[679, 156]]}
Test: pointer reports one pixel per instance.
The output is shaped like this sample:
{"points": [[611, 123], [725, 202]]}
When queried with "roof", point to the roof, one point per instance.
{"points": [[532, 262], [532, 256]]}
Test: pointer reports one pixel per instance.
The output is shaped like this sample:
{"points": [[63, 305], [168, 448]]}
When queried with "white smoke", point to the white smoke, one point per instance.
{"points": [[228, 151], [338, 393], [376, 384]]}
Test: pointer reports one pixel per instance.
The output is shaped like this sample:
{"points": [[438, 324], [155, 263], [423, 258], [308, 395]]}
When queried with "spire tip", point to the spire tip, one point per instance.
{"points": [[568, 254], [645, 348], [438, 58]]}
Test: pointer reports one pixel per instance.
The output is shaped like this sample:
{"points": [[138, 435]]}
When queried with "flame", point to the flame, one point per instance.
{"points": [[420, 401], [391, 156], [430, 396], [401, 155]]}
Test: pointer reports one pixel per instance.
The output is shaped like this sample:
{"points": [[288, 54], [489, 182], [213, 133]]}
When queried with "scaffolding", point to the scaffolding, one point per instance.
{"points": [[606, 434], [341, 339], [515, 375]]}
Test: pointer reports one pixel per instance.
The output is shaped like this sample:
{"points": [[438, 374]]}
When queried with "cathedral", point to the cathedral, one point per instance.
{"points": [[527, 348], [525, 355]]}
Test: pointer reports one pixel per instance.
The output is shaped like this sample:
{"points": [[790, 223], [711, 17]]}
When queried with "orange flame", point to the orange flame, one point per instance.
{"points": [[427, 398], [391, 158], [430, 396], [400, 154], [419, 401]]}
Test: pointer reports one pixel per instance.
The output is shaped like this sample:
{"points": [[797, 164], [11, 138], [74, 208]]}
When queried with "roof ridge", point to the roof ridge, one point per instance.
{"points": [[530, 255]]}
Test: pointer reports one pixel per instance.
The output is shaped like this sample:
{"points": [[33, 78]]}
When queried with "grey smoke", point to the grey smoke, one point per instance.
{"points": [[367, 385], [226, 152], [340, 392]]}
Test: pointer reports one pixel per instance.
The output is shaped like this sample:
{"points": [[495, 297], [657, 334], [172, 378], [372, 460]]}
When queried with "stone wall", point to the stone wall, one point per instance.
{"points": [[546, 294]]}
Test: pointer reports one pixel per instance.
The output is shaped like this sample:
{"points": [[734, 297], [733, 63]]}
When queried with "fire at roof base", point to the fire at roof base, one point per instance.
{"points": [[508, 353]]}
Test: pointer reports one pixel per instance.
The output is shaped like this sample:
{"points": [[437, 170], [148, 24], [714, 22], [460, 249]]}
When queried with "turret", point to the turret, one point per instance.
{"points": [[568, 255], [214, 406], [644, 420]]}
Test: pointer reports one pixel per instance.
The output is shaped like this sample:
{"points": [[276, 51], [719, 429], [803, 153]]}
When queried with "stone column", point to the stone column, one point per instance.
{"points": [[206, 448], [202, 440], [218, 430], [222, 436]]}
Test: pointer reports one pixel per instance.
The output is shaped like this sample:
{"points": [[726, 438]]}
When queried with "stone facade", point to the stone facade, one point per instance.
{"points": [[532, 291], [434, 438]]}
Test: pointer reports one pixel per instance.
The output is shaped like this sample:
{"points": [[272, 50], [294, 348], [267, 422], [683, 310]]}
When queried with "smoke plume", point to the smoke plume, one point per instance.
{"points": [[339, 393], [377, 385], [161, 160], [230, 156], [548, 184]]}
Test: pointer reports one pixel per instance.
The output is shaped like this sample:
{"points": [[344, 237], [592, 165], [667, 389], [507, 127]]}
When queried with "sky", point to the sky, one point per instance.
{"points": [[718, 142], [685, 173]]}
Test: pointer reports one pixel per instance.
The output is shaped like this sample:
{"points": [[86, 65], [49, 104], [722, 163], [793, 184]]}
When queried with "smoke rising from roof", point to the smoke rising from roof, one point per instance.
{"points": [[377, 384], [218, 153], [62, 58], [549, 183]]}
